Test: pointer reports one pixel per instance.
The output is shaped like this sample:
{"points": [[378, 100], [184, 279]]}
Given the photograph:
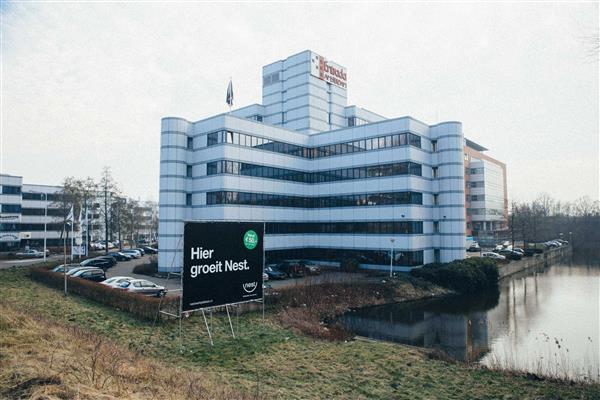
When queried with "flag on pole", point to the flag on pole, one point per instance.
{"points": [[229, 98]]}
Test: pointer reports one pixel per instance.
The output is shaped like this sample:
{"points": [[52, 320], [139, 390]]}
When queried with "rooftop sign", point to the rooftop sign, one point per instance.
{"points": [[328, 71]]}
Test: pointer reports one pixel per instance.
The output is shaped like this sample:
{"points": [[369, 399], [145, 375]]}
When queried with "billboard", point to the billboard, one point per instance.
{"points": [[222, 263], [328, 71]]}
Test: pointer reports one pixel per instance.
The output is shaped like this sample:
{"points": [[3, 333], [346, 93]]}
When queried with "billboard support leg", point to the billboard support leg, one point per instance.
{"points": [[207, 328], [229, 318]]}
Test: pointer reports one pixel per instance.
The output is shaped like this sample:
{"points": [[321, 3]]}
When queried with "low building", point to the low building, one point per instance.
{"points": [[28, 214]]}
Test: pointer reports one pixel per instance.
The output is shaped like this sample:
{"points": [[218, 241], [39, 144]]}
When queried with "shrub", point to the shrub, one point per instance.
{"points": [[350, 265], [465, 276], [148, 268], [138, 305]]}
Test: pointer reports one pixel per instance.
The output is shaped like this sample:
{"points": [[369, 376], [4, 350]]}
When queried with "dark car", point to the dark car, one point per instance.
{"points": [[150, 250], [92, 274], [291, 269], [140, 249], [100, 262], [474, 247], [510, 254], [310, 267], [119, 256], [274, 273], [110, 259]]}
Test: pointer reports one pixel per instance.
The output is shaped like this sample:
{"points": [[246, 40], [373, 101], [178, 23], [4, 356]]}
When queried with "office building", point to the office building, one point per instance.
{"points": [[331, 181]]}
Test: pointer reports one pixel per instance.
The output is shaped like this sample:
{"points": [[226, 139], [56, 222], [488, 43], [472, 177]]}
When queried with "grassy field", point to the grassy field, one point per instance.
{"points": [[67, 347]]}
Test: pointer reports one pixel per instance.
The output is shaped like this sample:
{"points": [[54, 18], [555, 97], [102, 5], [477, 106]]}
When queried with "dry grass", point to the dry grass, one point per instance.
{"points": [[312, 309], [40, 359]]}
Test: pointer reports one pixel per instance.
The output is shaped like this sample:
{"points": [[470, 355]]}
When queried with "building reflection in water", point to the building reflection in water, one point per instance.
{"points": [[457, 325]]}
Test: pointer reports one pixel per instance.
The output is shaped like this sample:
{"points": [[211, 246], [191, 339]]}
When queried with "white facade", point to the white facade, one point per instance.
{"points": [[486, 190], [28, 213], [330, 181]]}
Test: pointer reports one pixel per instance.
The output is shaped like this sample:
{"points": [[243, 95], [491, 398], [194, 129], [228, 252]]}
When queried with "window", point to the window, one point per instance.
{"points": [[436, 255], [11, 208], [188, 171], [434, 145], [11, 189], [436, 227], [212, 139], [190, 143], [434, 171], [188, 199], [436, 199]]}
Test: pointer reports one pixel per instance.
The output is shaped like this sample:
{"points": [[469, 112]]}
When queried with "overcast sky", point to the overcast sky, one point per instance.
{"points": [[85, 85]]}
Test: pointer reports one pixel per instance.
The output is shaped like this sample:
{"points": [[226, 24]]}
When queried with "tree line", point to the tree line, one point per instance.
{"points": [[122, 218], [546, 218]]}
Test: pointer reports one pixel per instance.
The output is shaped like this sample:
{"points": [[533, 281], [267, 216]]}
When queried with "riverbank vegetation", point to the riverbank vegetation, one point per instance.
{"points": [[312, 309], [471, 275], [55, 347], [546, 218]]}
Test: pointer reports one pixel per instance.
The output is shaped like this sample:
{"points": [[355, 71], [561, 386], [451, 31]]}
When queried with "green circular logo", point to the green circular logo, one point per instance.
{"points": [[250, 239]]}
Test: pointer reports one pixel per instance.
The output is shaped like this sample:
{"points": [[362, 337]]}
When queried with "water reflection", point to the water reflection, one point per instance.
{"points": [[456, 325], [544, 321]]}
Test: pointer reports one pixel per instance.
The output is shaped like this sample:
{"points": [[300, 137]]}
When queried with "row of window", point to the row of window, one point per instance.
{"points": [[377, 257], [484, 211], [477, 184], [276, 200], [42, 196], [356, 146], [18, 227], [371, 171], [375, 228], [54, 212], [476, 197], [10, 208], [7, 189]]}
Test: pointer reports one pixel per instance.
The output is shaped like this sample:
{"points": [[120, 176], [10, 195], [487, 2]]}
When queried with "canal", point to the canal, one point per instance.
{"points": [[545, 322]]}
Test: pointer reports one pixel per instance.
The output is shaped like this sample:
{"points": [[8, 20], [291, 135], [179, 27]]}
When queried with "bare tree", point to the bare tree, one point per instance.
{"points": [[108, 191]]}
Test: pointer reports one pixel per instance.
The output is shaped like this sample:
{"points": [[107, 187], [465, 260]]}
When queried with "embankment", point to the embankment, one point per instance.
{"points": [[537, 260]]}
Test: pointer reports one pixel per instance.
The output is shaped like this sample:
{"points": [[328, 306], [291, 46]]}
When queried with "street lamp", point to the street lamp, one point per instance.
{"points": [[392, 255]]}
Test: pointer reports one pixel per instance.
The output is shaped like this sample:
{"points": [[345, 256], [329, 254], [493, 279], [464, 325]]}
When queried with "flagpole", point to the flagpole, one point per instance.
{"points": [[72, 233]]}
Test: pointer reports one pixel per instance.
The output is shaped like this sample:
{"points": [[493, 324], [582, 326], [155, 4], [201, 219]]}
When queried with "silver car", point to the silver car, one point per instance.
{"points": [[115, 281], [144, 287], [68, 267], [133, 253]]}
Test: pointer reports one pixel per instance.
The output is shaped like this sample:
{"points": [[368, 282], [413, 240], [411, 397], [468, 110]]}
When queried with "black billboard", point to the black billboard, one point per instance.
{"points": [[222, 263]]}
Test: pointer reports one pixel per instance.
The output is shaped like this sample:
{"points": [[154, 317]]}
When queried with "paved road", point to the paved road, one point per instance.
{"points": [[28, 261], [125, 268]]}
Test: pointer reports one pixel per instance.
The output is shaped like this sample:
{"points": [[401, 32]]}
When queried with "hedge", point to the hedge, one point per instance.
{"points": [[471, 275], [136, 304]]}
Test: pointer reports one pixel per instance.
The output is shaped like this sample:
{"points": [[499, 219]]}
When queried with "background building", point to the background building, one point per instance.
{"points": [[330, 181], [486, 195], [25, 209]]}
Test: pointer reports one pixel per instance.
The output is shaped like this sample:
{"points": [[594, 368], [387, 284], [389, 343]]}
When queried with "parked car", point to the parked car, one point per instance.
{"points": [[92, 274], [273, 273], [310, 267], [116, 281], [491, 254], [68, 267], [510, 254], [110, 259], [498, 247], [474, 247], [30, 254], [76, 269], [99, 262], [265, 276], [141, 250], [150, 250], [144, 287], [117, 255], [291, 268], [519, 250], [133, 253]]}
